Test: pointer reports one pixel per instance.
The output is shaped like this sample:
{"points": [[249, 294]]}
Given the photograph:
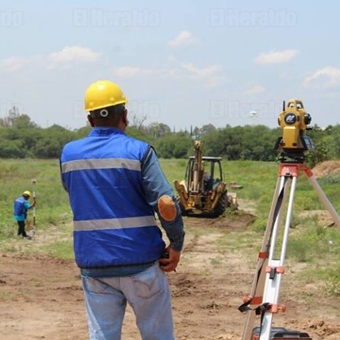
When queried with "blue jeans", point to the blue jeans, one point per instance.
{"points": [[148, 294]]}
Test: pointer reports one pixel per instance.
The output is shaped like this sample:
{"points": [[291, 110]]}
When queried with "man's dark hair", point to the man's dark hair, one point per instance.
{"points": [[112, 113]]}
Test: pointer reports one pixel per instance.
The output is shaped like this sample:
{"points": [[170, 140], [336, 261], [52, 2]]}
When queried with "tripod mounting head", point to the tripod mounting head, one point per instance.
{"points": [[294, 122]]}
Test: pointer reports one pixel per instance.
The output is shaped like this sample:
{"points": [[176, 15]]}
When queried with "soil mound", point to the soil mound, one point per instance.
{"points": [[327, 168]]}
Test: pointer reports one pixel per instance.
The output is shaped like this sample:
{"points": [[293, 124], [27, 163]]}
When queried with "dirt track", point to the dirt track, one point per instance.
{"points": [[41, 297]]}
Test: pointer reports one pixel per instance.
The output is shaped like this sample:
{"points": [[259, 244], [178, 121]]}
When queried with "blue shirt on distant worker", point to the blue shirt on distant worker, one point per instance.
{"points": [[20, 209]]}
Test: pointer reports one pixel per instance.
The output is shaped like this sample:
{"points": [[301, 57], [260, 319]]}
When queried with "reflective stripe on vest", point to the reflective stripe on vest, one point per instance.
{"points": [[114, 223], [108, 163]]}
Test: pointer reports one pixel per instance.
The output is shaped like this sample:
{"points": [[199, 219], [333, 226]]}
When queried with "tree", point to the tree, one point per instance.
{"points": [[158, 129], [49, 143], [174, 146], [11, 149], [205, 129], [15, 119], [138, 121], [139, 134], [332, 141], [22, 138]]}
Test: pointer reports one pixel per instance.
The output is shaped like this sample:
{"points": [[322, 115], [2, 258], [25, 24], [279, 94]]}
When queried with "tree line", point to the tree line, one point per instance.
{"points": [[20, 137]]}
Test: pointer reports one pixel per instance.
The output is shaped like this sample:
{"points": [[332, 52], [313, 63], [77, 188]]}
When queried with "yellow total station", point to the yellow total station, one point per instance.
{"points": [[293, 120]]}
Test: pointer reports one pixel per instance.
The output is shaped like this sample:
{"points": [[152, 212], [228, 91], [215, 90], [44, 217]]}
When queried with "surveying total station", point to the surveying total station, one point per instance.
{"points": [[294, 121], [263, 301]]}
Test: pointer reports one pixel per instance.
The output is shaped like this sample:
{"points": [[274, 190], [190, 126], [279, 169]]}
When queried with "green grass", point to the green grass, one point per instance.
{"points": [[52, 202], [308, 242], [60, 249]]}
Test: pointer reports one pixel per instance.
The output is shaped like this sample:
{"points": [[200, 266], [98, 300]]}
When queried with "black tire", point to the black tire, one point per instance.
{"points": [[221, 205]]}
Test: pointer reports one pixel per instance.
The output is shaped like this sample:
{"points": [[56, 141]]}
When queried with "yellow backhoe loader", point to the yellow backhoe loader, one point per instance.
{"points": [[203, 191]]}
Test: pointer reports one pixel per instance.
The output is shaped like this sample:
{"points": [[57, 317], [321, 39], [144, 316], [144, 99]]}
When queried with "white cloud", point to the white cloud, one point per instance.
{"points": [[71, 54], [202, 71], [324, 78], [192, 70], [210, 74], [171, 59], [276, 57], [12, 64], [184, 38], [131, 71], [64, 57], [256, 89]]}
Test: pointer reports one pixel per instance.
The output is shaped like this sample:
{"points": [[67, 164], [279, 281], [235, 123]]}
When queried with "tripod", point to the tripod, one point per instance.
{"points": [[267, 281]]}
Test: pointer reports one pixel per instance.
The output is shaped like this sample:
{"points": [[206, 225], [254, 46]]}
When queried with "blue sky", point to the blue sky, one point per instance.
{"points": [[181, 63]]}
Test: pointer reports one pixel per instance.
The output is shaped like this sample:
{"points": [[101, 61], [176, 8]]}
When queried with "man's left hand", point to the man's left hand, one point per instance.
{"points": [[170, 262]]}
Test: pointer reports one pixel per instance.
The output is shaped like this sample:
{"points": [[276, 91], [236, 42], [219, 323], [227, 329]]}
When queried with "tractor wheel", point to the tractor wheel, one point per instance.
{"points": [[221, 205]]}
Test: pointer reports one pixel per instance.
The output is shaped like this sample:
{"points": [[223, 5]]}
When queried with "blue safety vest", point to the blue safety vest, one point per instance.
{"points": [[20, 209], [113, 223]]}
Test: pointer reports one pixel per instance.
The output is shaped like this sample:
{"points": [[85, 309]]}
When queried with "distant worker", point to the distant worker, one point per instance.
{"points": [[21, 205], [115, 186]]}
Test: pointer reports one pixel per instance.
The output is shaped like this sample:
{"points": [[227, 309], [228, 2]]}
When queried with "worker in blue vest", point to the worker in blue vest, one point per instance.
{"points": [[21, 206], [116, 191]]}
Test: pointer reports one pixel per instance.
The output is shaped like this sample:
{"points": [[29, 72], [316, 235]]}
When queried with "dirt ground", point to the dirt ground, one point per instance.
{"points": [[41, 297], [327, 168]]}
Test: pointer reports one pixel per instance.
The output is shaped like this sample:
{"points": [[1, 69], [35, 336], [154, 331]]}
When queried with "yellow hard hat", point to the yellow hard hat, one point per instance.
{"points": [[103, 93], [27, 193]]}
